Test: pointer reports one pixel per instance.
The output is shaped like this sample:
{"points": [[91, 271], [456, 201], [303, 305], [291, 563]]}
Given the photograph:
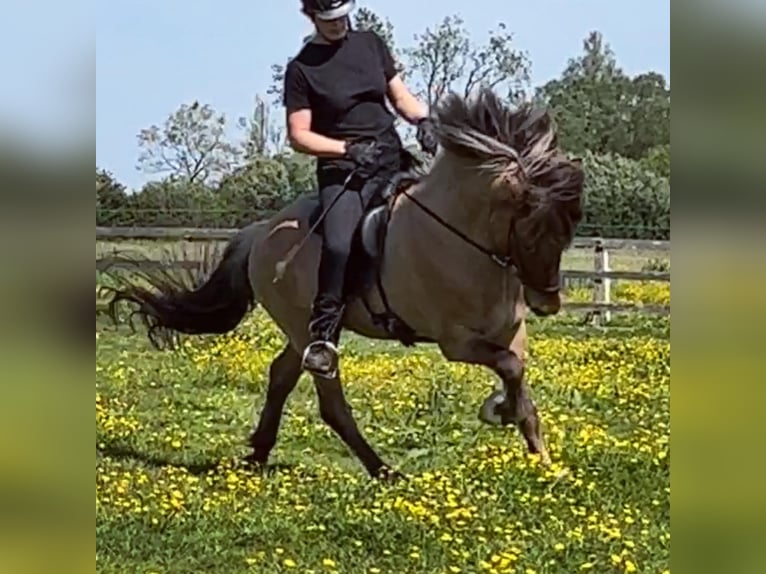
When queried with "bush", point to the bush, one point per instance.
{"points": [[624, 199]]}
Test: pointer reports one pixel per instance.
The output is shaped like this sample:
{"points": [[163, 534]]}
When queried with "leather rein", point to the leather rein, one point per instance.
{"points": [[502, 260]]}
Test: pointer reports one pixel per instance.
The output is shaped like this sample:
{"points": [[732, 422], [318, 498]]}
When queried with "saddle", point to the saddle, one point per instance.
{"points": [[363, 269]]}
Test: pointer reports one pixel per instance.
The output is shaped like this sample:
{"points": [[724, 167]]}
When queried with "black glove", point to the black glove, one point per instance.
{"points": [[365, 154], [426, 136]]}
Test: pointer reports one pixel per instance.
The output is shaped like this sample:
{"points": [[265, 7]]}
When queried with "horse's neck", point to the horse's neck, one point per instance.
{"points": [[432, 274], [459, 207]]}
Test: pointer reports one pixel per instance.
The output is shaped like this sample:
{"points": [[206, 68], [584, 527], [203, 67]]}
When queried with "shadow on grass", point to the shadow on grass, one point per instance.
{"points": [[124, 452]]}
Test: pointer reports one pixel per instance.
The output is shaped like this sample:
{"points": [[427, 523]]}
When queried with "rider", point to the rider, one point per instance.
{"points": [[335, 98]]}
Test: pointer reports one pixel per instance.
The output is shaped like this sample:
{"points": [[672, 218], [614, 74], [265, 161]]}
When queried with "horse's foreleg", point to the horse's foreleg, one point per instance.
{"points": [[513, 404], [284, 373], [336, 412]]}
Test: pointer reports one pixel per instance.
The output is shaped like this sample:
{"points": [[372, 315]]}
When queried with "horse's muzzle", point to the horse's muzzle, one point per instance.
{"points": [[542, 304]]}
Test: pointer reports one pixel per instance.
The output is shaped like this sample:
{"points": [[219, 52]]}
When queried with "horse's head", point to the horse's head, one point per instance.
{"points": [[533, 190]]}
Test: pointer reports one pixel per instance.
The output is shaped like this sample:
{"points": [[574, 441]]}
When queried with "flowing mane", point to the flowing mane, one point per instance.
{"points": [[519, 148]]}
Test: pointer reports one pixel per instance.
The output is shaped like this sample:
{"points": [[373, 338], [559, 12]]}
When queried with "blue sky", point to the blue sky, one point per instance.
{"points": [[154, 55], [46, 73]]}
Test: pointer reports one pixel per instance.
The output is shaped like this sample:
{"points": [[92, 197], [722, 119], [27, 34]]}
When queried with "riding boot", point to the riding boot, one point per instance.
{"points": [[321, 355]]}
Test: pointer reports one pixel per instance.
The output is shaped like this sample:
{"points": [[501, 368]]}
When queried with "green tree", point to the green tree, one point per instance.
{"points": [[262, 135], [301, 173], [445, 59], [172, 202], [597, 107], [649, 114], [259, 186], [111, 199], [657, 159], [624, 199], [191, 145]]}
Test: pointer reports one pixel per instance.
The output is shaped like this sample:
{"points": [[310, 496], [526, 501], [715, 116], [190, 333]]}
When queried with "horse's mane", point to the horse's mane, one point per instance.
{"points": [[518, 145]]}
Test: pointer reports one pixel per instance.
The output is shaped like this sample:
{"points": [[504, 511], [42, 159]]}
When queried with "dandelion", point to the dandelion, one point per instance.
{"points": [[481, 491]]}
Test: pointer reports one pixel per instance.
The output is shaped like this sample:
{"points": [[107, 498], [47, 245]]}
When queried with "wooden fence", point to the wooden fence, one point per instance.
{"points": [[600, 308]]}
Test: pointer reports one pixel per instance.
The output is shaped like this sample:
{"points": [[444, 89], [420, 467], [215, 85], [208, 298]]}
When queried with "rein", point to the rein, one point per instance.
{"points": [[504, 261]]}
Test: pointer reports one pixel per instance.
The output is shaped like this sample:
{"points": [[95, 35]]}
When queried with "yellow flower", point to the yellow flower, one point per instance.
{"points": [[629, 566], [289, 563], [329, 563]]}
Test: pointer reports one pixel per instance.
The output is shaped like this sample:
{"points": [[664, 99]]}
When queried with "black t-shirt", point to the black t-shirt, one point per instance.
{"points": [[344, 85]]}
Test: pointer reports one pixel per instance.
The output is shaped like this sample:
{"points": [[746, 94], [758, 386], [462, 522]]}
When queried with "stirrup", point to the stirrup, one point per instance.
{"points": [[329, 372]]}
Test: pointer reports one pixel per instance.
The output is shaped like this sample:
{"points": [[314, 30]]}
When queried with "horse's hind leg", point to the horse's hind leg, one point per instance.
{"points": [[284, 373], [336, 412]]}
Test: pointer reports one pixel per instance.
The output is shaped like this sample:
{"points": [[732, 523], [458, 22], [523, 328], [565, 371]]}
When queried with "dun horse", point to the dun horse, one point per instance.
{"points": [[453, 257]]}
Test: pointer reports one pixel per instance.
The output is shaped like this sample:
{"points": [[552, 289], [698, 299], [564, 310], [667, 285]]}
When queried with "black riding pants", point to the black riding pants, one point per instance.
{"points": [[338, 229]]}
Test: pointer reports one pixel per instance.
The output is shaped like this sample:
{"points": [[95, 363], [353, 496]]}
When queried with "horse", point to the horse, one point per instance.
{"points": [[457, 255]]}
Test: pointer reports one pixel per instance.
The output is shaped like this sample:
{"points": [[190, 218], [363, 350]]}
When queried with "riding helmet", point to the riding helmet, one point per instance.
{"points": [[328, 9]]}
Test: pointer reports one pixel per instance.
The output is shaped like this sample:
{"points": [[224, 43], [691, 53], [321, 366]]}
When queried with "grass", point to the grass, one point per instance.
{"points": [[171, 496]]}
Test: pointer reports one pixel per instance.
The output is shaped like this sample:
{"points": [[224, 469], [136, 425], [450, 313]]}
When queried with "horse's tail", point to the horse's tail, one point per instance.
{"points": [[216, 306]]}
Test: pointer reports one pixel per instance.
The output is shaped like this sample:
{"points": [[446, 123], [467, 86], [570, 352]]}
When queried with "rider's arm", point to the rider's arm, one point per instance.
{"points": [[302, 139], [299, 134], [405, 103]]}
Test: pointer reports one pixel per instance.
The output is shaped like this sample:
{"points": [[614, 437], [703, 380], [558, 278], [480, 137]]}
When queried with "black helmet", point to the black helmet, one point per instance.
{"points": [[328, 9]]}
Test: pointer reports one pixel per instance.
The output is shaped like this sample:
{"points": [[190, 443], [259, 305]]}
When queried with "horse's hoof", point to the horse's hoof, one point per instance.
{"points": [[489, 409], [254, 462], [388, 474]]}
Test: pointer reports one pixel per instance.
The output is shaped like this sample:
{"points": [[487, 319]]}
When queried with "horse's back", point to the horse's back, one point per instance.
{"points": [[290, 293]]}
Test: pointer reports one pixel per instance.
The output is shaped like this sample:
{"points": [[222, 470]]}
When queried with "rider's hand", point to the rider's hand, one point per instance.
{"points": [[426, 136], [365, 154]]}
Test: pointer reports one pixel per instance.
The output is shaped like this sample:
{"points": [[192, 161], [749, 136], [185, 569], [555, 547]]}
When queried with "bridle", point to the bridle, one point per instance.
{"points": [[503, 260]]}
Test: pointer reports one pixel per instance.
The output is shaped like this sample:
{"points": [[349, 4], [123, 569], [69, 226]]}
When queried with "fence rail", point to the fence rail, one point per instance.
{"points": [[223, 234], [601, 276]]}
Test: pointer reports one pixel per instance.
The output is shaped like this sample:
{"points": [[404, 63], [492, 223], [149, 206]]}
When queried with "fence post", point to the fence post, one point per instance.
{"points": [[602, 288]]}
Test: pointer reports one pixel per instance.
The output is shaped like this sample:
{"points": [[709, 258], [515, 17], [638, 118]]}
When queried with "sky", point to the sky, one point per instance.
{"points": [[152, 56], [47, 73]]}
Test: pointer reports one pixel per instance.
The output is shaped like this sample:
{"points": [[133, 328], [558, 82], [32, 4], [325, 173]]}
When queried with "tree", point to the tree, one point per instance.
{"points": [[650, 114], [191, 146], [597, 107], [262, 184], [111, 199], [624, 199], [262, 136], [445, 60], [173, 202]]}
